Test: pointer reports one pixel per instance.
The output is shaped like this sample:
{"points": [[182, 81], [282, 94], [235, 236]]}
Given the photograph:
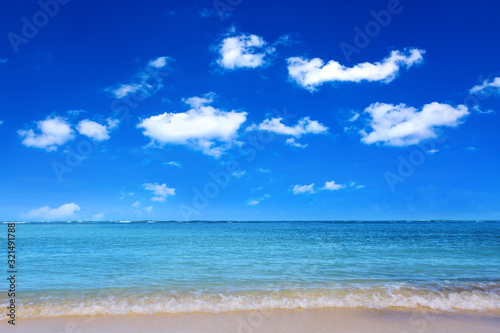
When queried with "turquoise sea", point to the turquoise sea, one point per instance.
{"points": [[121, 267]]}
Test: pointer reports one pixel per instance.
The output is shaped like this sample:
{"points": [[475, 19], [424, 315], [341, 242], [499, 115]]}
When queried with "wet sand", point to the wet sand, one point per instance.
{"points": [[289, 321]]}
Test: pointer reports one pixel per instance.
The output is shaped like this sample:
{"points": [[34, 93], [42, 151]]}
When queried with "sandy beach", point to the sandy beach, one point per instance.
{"points": [[317, 321]]}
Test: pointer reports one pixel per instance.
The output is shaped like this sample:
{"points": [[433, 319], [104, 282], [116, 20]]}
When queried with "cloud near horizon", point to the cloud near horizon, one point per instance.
{"points": [[46, 212], [204, 128], [310, 74], [402, 125]]}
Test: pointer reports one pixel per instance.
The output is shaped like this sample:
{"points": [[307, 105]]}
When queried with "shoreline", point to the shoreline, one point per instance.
{"points": [[289, 321]]}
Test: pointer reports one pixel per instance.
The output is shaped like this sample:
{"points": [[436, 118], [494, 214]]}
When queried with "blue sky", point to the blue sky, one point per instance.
{"points": [[249, 110]]}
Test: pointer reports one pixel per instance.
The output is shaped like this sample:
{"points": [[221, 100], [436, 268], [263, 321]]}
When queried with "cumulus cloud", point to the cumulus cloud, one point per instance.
{"points": [[310, 74], [401, 125], [299, 189], [161, 192], [112, 123], [203, 127], [93, 130], [146, 83], [293, 143], [51, 133], [332, 186], [304, 126], [46, 212], [487, 87], [136, 204], [243, 51]]}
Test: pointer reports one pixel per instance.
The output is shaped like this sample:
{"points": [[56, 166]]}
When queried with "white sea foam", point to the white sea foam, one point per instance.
{"points": [[476, 299]]}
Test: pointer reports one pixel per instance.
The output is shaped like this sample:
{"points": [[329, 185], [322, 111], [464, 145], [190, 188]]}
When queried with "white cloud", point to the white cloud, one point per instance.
{"points": [[75, 113], [353, 184], [298, 189], [291, 142], [470, 148], [112, 123], [243, 51], [146, 83], [98, 217], [93, 130], [197, 102], [203, 128], [161, 192], [1, 122], [149, 208], [331, 186], [401, 125], [264, 170], [310, 74], [159, 62], [478, 109], [46, 212], [253, 202], [487, 87], [304, 126], [432, 151], [238, 174], [52, 132], [354, 117], [136, 204], [125, 89], [174, 163]]}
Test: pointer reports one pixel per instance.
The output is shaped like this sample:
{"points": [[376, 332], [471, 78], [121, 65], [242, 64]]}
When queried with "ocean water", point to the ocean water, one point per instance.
{"points": [[82, 268]]}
